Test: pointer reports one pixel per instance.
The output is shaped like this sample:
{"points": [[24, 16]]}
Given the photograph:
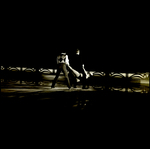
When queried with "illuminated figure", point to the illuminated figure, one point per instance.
{"points": [[62, 62]]}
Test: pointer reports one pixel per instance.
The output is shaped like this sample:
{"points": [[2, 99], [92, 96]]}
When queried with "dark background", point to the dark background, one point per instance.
{"points": [[109, 39]]}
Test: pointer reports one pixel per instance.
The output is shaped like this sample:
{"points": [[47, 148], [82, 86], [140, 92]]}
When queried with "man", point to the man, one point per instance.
{"points": [[77, 64], [62, 62]]}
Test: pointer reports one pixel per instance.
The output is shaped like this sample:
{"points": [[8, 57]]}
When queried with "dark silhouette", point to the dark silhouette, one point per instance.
{"points": [[62, 61], [77, 64]]}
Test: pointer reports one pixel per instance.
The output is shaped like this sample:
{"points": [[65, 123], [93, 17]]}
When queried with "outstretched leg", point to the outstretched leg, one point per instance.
{"points": [[66, 75], [56, 77]]}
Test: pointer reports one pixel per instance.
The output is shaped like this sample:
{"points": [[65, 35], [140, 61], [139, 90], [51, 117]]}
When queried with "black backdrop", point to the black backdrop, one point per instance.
{"points": [[107, 42]]}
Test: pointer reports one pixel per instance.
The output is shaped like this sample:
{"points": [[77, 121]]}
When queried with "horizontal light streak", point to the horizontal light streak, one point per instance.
{"points": [[49, 71]]}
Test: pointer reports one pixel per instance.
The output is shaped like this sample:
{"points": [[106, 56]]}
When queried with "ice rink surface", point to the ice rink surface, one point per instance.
{"points": [[30, 107], [32, 95]]}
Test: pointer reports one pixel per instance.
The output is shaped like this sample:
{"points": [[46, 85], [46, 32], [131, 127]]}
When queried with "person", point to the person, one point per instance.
{"points": [[62, 62], [77, 64]]}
